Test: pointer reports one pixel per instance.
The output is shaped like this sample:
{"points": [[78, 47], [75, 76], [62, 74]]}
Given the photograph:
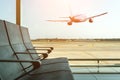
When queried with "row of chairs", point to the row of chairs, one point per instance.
{"points": [[20, 61]]}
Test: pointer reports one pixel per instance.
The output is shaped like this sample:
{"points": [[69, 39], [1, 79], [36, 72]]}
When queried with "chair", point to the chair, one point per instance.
{"points": [[15, 66]]}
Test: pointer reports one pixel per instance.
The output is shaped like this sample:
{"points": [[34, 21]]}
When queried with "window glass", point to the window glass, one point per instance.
{"points": [[8, 10]]}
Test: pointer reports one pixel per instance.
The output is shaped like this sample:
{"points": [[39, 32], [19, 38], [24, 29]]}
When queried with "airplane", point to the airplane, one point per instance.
{"points": [[78, 19]]}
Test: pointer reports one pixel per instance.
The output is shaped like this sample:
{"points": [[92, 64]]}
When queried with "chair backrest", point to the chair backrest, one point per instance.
{"points": [[17, 45], [8, 71], [26, 37], [27, 42]]}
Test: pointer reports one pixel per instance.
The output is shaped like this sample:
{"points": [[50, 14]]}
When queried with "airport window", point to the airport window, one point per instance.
{"points": [[8, 10]]}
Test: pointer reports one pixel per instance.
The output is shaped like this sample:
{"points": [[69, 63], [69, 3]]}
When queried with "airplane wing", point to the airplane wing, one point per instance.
{"points": [[58, 20], [97, 15]]}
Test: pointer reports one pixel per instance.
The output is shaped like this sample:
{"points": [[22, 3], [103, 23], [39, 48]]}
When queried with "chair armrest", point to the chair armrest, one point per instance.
{"points": [[35, 63], [45, 55], [45, 47], [48, 50]]}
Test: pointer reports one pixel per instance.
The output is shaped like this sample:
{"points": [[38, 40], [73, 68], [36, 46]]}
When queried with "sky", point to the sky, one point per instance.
{"points": [[7, 10], [35, 13]]}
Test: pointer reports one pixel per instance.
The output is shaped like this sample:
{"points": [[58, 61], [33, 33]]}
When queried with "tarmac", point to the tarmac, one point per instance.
{"points": [[83, 49]]}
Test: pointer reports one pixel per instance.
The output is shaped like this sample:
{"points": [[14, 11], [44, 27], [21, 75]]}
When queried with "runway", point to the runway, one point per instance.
{"points": [[82, 49]]}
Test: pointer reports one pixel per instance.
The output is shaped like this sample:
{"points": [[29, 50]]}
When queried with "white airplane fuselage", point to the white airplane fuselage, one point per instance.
{"points": [[76, 19]]}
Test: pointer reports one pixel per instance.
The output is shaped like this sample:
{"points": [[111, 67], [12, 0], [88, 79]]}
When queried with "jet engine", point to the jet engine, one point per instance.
{"points": [[69, 23], [91, 20]]}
